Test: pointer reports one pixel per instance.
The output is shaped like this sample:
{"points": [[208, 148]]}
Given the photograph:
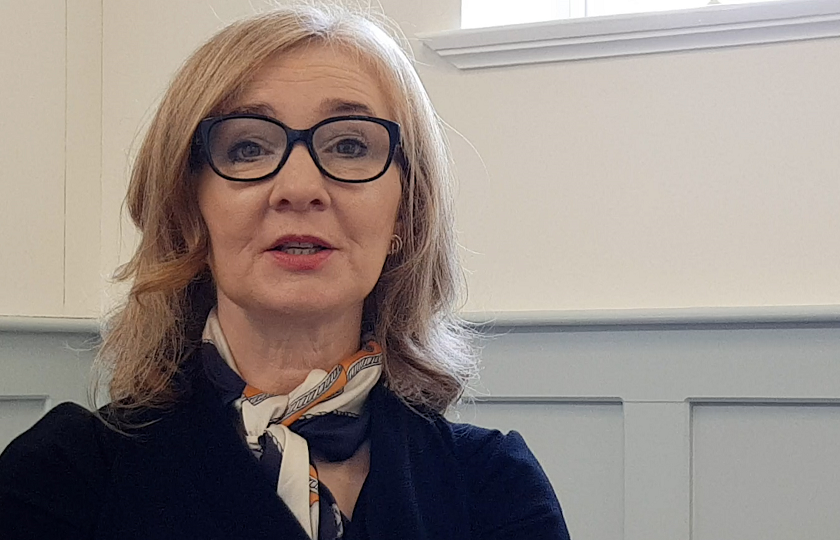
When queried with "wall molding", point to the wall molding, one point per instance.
{"points": [[663, 317], [701, 317], [57, 325], [635, 34]]}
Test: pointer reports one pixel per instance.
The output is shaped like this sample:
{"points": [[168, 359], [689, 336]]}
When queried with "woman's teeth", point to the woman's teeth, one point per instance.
{"points": [[300, 250]]}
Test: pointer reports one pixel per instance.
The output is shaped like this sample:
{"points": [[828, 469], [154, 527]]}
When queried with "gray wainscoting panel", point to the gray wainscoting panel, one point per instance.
{"points": [[580, 446], [766, 472], [664, 429], [17, 415], [664, 363], [37, 371], [659, 373]]}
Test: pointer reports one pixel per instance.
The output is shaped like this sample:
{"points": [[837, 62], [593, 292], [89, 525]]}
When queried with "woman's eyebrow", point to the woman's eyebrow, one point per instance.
{"points": [[328, 107], [343, 106], [254, 108]]}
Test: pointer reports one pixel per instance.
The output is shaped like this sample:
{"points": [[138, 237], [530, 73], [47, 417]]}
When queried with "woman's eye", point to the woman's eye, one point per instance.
{"points": [[351, 148], [246, 151]]}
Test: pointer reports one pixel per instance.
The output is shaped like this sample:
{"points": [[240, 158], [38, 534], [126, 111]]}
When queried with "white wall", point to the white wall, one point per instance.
{"points": [[672, 180], [690, 179], [32, 157]]}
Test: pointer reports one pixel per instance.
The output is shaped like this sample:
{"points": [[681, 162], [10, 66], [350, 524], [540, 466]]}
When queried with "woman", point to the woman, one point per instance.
{"points": [[289, 343]]}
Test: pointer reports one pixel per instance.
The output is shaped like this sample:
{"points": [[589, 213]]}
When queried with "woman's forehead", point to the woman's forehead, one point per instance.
{"points": [[312, 83]]}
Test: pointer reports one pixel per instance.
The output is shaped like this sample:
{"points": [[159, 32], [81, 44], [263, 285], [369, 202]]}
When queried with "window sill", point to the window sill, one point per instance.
{"points": [[629, 35]]}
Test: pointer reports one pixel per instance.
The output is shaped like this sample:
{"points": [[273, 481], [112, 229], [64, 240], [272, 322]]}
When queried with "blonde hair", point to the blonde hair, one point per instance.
{"points": [[429, 356]]}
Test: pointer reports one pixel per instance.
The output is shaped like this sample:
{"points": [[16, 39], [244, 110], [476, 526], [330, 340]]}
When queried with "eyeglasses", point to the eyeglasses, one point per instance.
{"points": [[252, 147]]}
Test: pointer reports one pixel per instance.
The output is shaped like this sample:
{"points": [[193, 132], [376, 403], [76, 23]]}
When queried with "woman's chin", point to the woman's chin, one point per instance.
{"points": [[310, 306]]}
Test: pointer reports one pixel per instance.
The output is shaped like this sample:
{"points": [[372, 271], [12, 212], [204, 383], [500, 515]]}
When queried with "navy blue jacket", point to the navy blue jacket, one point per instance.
{"points": [[190, 475]]}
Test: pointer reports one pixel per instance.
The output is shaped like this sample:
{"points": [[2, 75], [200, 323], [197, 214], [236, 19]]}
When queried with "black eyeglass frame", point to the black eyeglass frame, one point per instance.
{"points": [[293, 137]]}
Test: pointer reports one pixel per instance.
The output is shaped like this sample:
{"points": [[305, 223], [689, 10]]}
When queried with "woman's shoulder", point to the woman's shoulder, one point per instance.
{"points": [[511, 496], [470, 441], [54, 474], [68, 431], [482, 452], [473, 447]]}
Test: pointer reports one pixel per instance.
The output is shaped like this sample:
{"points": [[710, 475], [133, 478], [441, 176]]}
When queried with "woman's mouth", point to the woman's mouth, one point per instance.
{"points": [[301, 254]]}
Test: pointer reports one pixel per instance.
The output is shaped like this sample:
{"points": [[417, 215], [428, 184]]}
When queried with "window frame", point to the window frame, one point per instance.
{"points": [[636, 34]]}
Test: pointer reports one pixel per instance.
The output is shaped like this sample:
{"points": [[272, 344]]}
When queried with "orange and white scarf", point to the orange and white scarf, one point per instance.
{"points": [[280, 422]]}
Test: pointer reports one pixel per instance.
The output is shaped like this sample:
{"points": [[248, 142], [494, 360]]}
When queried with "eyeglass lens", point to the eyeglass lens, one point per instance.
{"points": [[250, 148]]}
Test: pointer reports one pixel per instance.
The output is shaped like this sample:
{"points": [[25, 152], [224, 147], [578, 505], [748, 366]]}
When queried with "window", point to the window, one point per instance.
{"points": [[484, 13], [568, 30]]}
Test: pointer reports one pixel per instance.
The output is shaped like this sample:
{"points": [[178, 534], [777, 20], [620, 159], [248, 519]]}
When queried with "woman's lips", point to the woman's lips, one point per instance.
{"points": [[300, 263]]}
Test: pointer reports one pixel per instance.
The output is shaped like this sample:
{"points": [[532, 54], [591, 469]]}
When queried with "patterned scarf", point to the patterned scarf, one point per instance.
{"points": [[325, 413]]}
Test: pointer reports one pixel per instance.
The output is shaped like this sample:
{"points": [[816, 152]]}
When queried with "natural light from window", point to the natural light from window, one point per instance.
{"points": [[483, 13]]}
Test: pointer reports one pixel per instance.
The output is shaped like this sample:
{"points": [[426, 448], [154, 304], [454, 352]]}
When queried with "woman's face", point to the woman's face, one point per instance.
{"points": [[299, 205]]}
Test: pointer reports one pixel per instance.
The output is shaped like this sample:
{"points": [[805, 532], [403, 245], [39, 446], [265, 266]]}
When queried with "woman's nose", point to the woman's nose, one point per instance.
{"points": [[299, 185]]}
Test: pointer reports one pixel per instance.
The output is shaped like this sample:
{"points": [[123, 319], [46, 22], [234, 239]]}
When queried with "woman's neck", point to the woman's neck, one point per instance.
{"points": [[275, 353]]}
